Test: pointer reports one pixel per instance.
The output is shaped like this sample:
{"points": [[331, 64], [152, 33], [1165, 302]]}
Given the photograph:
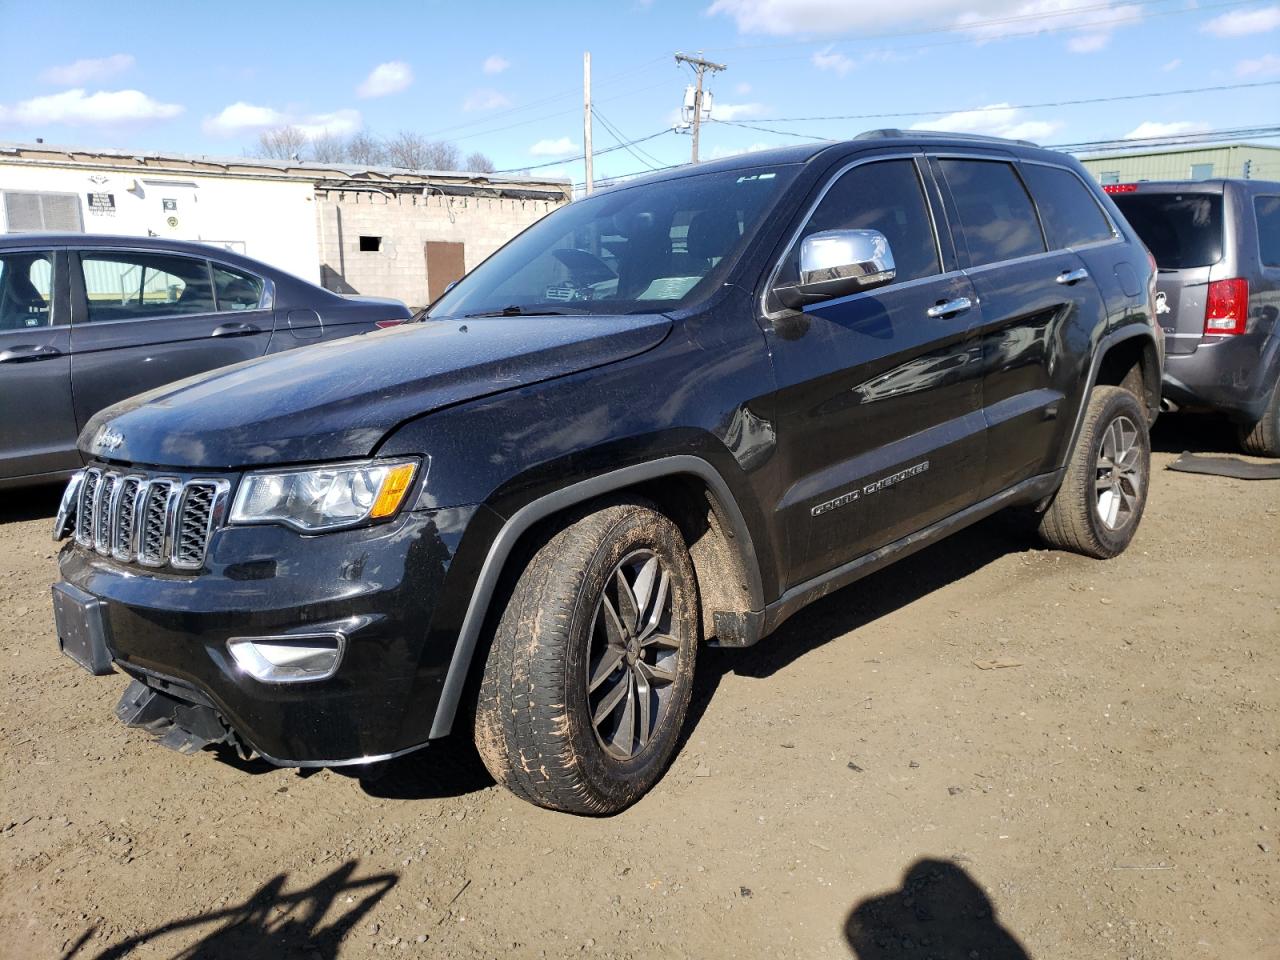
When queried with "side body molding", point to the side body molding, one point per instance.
{"points": [[540, 509]]}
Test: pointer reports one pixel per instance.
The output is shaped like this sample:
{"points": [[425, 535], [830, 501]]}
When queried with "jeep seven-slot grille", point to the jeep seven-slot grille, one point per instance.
{"points": [[154, 521]]}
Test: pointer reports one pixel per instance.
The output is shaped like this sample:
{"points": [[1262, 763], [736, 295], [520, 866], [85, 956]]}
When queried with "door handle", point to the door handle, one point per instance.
{"points": [[947, 308], [235, 330], [1073, 276], [27, 352]]}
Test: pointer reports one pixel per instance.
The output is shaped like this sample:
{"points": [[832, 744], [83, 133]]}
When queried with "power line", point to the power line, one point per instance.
{"points": [[1169, 140], [621, 138], [583, 156]]}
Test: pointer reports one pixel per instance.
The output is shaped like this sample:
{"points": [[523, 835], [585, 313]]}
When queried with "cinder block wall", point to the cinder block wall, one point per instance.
{"points": [[405, 222]]}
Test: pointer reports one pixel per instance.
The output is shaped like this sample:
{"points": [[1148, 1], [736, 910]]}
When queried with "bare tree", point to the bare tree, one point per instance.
{"points": [[328, 148], [414, 152], [479, 163], [281, 143], [366, 149]]}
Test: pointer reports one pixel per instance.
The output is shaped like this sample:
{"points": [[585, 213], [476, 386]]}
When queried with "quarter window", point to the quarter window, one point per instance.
{"points": [[236, 290], [26, 290], [125, 286], [884, 196], [1268, 213], [997, 220], [1070, 214]]}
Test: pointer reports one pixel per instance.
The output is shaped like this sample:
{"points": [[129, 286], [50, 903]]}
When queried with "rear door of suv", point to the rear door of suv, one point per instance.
{"points": [[142, 319], [1040, 308]]}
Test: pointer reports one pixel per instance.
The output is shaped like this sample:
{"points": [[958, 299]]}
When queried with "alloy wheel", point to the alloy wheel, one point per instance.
{"points": [[1119, 477], [632, 660]]}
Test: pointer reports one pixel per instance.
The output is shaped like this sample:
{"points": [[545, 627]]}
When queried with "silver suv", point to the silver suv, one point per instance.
{"points": [[1217, 246]]}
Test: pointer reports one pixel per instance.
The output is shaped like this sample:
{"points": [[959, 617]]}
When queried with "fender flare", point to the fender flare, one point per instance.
{"points": [[524, 518], [1127, 332]]}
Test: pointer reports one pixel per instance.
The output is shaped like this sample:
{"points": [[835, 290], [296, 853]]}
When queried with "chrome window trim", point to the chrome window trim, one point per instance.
{"points": [[915, 156]]}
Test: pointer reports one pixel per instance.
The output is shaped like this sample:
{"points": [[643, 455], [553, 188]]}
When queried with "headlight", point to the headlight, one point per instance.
{"points": [[313, 499]]}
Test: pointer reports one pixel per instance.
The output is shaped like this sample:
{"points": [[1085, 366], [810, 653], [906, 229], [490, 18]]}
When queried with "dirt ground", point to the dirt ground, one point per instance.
{"points": [[853, 787]]}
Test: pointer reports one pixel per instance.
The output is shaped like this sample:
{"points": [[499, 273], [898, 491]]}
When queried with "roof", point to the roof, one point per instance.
{"points": [[337, 175], [1139, 151]]}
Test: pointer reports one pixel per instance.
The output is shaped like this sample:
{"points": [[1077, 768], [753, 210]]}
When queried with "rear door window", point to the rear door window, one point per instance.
{"points": [[1069, 212], [1267, 210], [128, 286], [1181, 230], [236, 290], [997, 220]]}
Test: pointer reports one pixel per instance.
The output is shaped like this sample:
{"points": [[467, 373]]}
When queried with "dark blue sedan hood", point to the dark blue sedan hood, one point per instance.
{"points": [[339, 399]]}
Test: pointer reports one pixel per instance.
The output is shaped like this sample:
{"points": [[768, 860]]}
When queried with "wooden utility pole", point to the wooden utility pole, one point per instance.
{"points": [[586, 115], [700, 67]]}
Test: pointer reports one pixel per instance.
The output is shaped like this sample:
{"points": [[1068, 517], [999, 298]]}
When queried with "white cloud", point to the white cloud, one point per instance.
{"points": [[86, 71], [1089, 18], [719, 153], [742, 89], [241, 117], [339, 123], [485, 100], [735, 111], [829, 59], [495, 64], [1172, 65], [997, 120], [1088, 42], [1267, 65], [554, 148], [1240, 23], [1152, 128], [103, 108], [386, 78]]}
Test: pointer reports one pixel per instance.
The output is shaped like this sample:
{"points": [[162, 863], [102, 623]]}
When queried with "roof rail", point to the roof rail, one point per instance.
{"points": [[894, 133]]}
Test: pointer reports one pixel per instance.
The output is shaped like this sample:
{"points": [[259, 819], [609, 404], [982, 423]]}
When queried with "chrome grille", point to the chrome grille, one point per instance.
{"points": [[154, 521]]}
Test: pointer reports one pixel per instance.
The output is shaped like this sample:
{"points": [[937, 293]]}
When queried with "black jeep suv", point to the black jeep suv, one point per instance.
{"points": [[670, 413]]}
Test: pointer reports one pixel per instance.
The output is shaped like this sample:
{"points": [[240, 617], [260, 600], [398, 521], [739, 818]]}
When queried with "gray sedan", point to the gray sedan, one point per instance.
{"points": [[87, 320]]}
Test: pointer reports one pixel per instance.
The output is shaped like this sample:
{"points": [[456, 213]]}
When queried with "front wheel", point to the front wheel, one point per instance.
{"points": [[1097, 509], [591, 667]]}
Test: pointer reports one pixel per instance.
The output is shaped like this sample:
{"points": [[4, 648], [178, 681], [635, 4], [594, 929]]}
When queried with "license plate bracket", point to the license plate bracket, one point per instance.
{"points": [[81, 621]]}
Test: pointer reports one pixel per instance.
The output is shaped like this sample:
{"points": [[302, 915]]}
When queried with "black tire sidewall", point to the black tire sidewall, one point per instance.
{"points": [[1118, 403], [620, 782]]}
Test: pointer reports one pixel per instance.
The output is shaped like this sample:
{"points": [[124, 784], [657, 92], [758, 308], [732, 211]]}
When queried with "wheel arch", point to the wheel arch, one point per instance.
{"points": [[1132, 362], [686, 488]]}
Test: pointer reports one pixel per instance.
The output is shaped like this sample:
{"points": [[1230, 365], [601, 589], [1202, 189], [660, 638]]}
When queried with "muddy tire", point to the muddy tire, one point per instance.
{"points": [[1262, 439], [1099, 505], [588, 677]]}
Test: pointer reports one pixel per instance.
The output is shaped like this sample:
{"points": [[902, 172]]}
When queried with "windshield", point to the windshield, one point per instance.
{"points": [[1180, 229], [656, 246]]}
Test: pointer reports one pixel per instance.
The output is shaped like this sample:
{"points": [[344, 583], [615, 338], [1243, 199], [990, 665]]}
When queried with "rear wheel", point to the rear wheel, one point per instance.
{"points": [[1262, 439], [589, 675], [1097, 509]]}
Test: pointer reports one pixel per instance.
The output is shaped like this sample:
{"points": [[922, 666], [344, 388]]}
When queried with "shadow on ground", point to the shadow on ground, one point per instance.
{"points": [[29, 503], [269, 924], [938, 912], [1196, 432]]}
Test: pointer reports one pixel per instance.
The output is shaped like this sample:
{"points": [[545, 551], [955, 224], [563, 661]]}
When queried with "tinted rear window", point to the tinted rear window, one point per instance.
{"points": [[1180, 229], [997, 221], [1268, 210], [1070, 214]]}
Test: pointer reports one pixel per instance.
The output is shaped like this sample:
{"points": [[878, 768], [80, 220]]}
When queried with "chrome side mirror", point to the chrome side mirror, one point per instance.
{"points": [[836, 263]]}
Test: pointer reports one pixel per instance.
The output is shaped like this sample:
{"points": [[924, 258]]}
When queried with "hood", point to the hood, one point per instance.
{"points": [[339, 399]]}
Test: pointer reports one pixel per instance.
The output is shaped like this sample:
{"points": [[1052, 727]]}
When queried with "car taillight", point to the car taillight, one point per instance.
{"points": [[383, 324], [1226, 308], [1120, 187]]}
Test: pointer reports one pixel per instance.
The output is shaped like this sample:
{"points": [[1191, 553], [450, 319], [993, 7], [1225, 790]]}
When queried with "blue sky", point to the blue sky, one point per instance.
{"points": [[505, 78]]}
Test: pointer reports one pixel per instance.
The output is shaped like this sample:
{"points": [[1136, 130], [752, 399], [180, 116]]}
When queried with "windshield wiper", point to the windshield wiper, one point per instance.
{"points": [[516, 311]]}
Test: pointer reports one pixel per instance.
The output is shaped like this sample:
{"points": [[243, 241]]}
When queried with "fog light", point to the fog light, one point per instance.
{"points": [[288, 659]]}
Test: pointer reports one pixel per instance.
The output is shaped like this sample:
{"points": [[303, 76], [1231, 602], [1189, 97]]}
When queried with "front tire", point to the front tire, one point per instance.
{"points": [[1262, 439], [591, 667], [1097, 509]]}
